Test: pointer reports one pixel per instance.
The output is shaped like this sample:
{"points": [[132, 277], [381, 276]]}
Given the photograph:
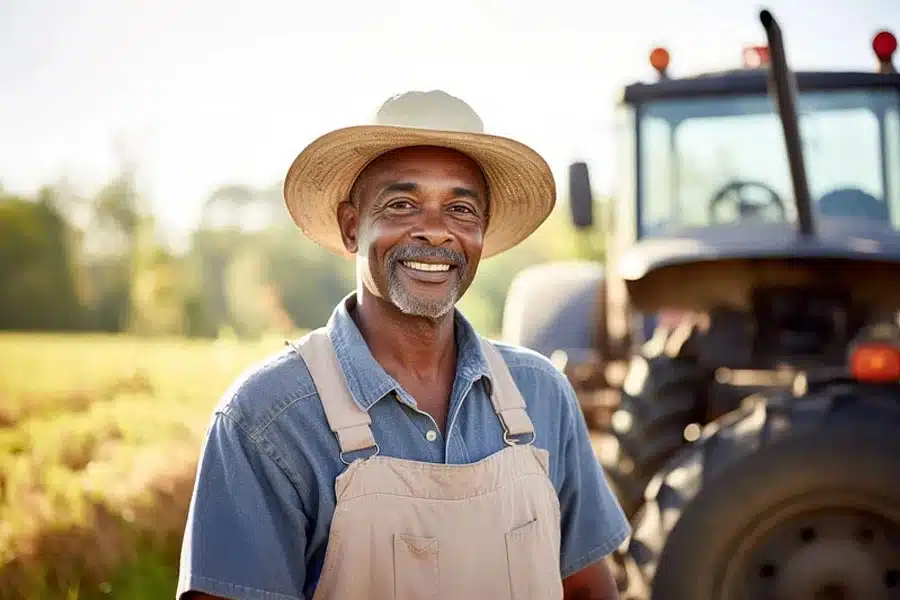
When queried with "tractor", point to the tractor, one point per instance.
{"points": [[738, 352]]}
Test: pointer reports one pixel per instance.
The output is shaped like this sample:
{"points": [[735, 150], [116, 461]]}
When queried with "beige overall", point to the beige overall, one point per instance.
{"points": [[404, 529]]}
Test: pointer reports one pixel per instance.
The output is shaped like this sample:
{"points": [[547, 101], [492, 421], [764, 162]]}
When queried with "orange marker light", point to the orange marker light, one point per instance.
{"points": [[756, 57], [659, 59], [876, 363]]}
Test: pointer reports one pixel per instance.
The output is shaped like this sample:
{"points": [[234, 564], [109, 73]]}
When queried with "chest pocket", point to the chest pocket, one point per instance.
{"points": [[416, 568], [533, 560]]}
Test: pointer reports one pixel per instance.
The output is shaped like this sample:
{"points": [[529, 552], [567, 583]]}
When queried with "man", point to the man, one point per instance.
{"points": [[394, 453]]}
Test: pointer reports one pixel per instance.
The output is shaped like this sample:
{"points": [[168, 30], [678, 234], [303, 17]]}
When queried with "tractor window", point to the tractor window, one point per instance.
{"points": [[892, 160], [724, 160]]}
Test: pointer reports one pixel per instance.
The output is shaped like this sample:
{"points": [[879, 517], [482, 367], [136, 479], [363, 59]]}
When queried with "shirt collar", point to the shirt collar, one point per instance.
{"points": [[367, 380]]}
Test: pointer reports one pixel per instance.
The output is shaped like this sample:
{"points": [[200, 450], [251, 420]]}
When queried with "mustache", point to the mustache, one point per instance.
{"points": [[413, 252]]}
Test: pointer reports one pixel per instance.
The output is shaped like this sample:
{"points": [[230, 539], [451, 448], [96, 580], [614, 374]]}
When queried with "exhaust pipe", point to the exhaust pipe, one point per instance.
{"points": [[784, 88]]}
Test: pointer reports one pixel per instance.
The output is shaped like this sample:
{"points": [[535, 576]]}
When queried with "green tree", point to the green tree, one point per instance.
{"points": [[108, 252], [38, 290], [157, 287]]}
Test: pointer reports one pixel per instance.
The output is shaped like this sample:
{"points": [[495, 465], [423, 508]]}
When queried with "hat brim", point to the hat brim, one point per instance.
{"points": [[520, 183]]}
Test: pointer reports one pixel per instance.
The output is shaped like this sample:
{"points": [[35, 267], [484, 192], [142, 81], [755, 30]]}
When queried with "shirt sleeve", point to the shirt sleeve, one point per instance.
{"points": [[593, 522], [245, 536]]}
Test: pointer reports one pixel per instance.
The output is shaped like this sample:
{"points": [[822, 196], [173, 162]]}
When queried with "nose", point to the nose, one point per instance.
{"points": [[433, 228]]}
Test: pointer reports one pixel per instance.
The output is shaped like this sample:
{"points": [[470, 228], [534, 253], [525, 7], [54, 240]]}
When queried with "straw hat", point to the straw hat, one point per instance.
{"points": [[520, 184]]}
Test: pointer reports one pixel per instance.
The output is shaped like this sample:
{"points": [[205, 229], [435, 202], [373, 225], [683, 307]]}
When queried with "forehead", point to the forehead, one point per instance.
{"points": [[430, 162]]}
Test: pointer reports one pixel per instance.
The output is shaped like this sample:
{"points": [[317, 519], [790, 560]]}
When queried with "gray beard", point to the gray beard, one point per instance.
{"points": [[414, 305]]}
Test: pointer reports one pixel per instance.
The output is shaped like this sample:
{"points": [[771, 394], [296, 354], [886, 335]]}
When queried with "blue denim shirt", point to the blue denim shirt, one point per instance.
{"points": [[264, 494]]}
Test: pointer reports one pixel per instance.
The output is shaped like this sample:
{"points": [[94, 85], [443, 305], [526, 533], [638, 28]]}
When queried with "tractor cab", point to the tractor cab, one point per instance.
{"points": [[710, 151], [707, 212]]}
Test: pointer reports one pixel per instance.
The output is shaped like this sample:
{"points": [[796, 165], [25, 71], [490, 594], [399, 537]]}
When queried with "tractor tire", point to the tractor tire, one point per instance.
{"points": [[663, 393], [783, 499]]}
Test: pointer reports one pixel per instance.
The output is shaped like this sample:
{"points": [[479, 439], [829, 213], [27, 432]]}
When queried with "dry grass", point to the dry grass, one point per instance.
{"points": [[98, 443]]}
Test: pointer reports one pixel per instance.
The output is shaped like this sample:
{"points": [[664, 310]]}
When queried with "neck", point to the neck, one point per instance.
{"points": [[402, 342]]}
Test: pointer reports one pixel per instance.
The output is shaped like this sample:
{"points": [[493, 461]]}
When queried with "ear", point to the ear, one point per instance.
{"points": [[348, 221]]}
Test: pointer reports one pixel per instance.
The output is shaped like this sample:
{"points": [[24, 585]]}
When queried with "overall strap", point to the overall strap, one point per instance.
{"points": [[349, 422], [505, 396]]}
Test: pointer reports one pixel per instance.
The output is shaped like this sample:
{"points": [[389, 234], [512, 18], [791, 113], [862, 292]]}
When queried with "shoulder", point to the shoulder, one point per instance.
{"points": [[535, 375], [526, 359], [266, 390]]}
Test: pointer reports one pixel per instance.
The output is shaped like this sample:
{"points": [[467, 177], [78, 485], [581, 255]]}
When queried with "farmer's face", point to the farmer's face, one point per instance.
{"points": [[416, 221]]}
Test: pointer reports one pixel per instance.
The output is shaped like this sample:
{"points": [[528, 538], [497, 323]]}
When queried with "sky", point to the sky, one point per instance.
{"points": [[200, 93]]}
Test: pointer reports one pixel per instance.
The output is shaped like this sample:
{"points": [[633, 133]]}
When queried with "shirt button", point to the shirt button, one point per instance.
{"points": [[431, 435]]}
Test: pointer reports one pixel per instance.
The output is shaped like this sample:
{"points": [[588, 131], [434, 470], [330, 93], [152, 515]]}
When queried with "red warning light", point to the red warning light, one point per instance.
{"points": [[884, 44]]}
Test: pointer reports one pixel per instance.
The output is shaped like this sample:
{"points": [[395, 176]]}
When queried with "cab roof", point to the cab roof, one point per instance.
{"points": [[753, 81]]}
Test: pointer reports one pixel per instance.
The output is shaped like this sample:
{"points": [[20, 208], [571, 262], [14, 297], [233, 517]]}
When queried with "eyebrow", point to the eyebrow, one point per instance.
{"points": [[462, 192], [400, 186]]}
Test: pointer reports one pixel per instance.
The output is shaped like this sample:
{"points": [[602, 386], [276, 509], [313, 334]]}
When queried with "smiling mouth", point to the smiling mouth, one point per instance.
{"points": [[429, 267]]}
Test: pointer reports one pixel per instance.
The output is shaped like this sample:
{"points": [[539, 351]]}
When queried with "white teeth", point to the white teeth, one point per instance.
{"points": [[425, 267]]}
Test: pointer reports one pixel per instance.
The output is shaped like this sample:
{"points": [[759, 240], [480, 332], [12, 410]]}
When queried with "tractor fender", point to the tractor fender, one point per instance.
{"points": [[557, 306]]}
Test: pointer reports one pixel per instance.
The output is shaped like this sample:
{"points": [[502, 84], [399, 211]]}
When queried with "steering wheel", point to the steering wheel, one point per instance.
{"points": [[746, 209]]}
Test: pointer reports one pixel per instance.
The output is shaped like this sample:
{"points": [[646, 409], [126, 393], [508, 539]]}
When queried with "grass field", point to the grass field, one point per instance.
{"points": [[99, 437]]}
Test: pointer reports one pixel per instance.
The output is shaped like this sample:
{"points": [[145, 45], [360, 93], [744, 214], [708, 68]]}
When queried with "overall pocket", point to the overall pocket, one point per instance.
{"points": [[533, 568], [416, 572]]}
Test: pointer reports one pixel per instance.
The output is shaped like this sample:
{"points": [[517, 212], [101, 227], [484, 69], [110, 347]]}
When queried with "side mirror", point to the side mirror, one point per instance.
{"points": [[581, 199]]}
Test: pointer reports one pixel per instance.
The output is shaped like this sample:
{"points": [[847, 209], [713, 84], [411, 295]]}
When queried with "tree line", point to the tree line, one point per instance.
{"points": [[96, 264]]}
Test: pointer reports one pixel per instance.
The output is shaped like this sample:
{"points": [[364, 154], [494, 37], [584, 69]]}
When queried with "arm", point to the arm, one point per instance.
{"points": [[593, 522], [594, 582], [245, 537]]}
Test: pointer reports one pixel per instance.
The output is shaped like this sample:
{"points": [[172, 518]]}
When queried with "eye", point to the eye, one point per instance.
{"points": [[463, 208], [400, 204]]}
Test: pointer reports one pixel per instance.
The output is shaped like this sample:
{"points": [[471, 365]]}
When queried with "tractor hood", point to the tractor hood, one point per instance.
{"points": [[721, 266]]}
